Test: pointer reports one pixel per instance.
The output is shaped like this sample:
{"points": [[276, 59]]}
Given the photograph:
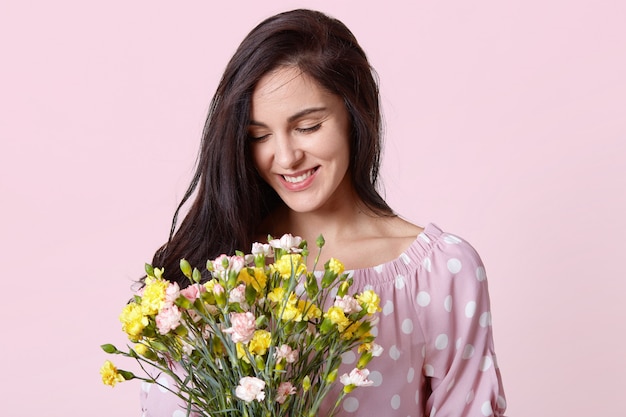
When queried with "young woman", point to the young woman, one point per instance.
{"points": [[292, 145]]}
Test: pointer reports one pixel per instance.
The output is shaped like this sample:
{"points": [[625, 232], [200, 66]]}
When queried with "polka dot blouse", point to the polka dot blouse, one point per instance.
{"points": [[435, 328]]}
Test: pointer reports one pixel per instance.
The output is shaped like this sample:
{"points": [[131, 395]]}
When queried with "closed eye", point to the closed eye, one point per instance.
{"points": [[309, 129]]}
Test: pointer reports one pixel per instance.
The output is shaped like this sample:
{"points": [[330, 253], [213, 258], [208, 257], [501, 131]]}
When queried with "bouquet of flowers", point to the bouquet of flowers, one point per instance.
{"points": [[257, 338]]}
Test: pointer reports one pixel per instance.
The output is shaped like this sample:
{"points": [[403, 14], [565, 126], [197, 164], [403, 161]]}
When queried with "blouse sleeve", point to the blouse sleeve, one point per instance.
{"points": [[460, 364]]}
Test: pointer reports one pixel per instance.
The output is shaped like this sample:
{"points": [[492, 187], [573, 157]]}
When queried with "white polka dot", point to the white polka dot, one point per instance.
{"points": [[469, 397], [405, 258], [468, 351], [388, 308], [407, 326], [350, 404], [441, 342], [368, 287], [145, 386], [400, 282], [501, 402], [481, 275], [458, 343], [395, 402], [378, 268], [348, 358], [376, 377], [427, 264], [470, 309], [410, 375], [417, 397], [394, 353], [423, 298], [485, 319], [452, 239], [333, 293], [454, 265], [450, 385], [179, 413], [486, 409], [447, 303], [485, 363], [374, 331], [429, 370], [163, 384], [424, 237], [423, 351]]}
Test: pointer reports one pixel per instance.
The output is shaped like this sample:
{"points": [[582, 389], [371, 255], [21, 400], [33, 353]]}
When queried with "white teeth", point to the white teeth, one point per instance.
{"points": [[299, 178]]}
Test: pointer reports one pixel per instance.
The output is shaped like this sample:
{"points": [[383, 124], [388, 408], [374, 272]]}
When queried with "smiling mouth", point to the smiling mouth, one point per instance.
{"points": [[299, 178]]}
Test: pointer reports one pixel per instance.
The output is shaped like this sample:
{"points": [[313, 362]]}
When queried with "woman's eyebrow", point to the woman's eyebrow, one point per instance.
{"points": [[305, 112], [294, 117]]}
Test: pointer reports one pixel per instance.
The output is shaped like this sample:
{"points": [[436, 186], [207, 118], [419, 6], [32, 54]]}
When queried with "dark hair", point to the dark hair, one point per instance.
{"points": [[230, 198]]}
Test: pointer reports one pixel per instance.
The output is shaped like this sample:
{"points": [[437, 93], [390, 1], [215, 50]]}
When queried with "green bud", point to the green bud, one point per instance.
{"points": [[109, 348], [332, 376], [196, 276], [185, 267], [320, 241], [126, 375], [149, 270], [306, 383], [260, 363], [365, 358]]}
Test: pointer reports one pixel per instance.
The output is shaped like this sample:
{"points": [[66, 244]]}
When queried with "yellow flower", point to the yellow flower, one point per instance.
{"points": [[133, 320], [337, 316], [109, 373], [284, 265], [277, 294], [290, 312], [371, 301], [336, 266], [257, 280], [260, 342], [153, 296], [309, 310], [241, 352]]}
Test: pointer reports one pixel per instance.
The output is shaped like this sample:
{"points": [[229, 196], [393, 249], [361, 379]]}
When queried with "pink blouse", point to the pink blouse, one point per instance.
{"points": [[435, 328]]}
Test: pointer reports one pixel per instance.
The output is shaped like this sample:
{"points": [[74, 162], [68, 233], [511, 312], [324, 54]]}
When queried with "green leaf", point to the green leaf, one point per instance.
{"points": [[149, 270]]}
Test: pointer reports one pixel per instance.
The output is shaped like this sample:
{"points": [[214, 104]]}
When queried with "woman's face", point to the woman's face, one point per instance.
{"points": [[299, 137]]}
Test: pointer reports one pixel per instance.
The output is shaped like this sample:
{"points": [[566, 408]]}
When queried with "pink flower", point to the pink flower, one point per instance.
{"points": [[348, 304], [193, 291], [357, 378], [168, 319], [225, 263], [284, 389], [250, 388], [242, 327], [172, 292], [285, 352], [238, 295], [218, 289]]}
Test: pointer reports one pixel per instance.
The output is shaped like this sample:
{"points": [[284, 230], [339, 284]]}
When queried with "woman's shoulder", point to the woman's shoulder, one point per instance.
{"points": [[431, 250]]}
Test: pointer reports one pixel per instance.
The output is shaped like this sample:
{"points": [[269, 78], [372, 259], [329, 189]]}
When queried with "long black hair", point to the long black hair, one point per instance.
{"points": [[228, 198]]}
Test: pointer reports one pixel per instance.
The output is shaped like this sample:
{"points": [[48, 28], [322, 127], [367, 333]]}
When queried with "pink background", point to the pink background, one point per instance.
{"points": [[505, 125]]}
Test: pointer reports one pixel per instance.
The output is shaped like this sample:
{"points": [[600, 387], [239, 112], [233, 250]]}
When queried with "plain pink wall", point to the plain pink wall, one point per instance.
{"points": [[505, 125]]}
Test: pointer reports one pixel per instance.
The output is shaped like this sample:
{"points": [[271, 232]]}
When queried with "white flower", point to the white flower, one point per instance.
{"points": [[376, 349], [264, 249], [357, 378], [250, 388], [287, 242]]}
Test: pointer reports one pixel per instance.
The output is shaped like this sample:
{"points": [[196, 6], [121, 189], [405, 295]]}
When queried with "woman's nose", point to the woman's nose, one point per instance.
{"points": [[287, 154]]}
